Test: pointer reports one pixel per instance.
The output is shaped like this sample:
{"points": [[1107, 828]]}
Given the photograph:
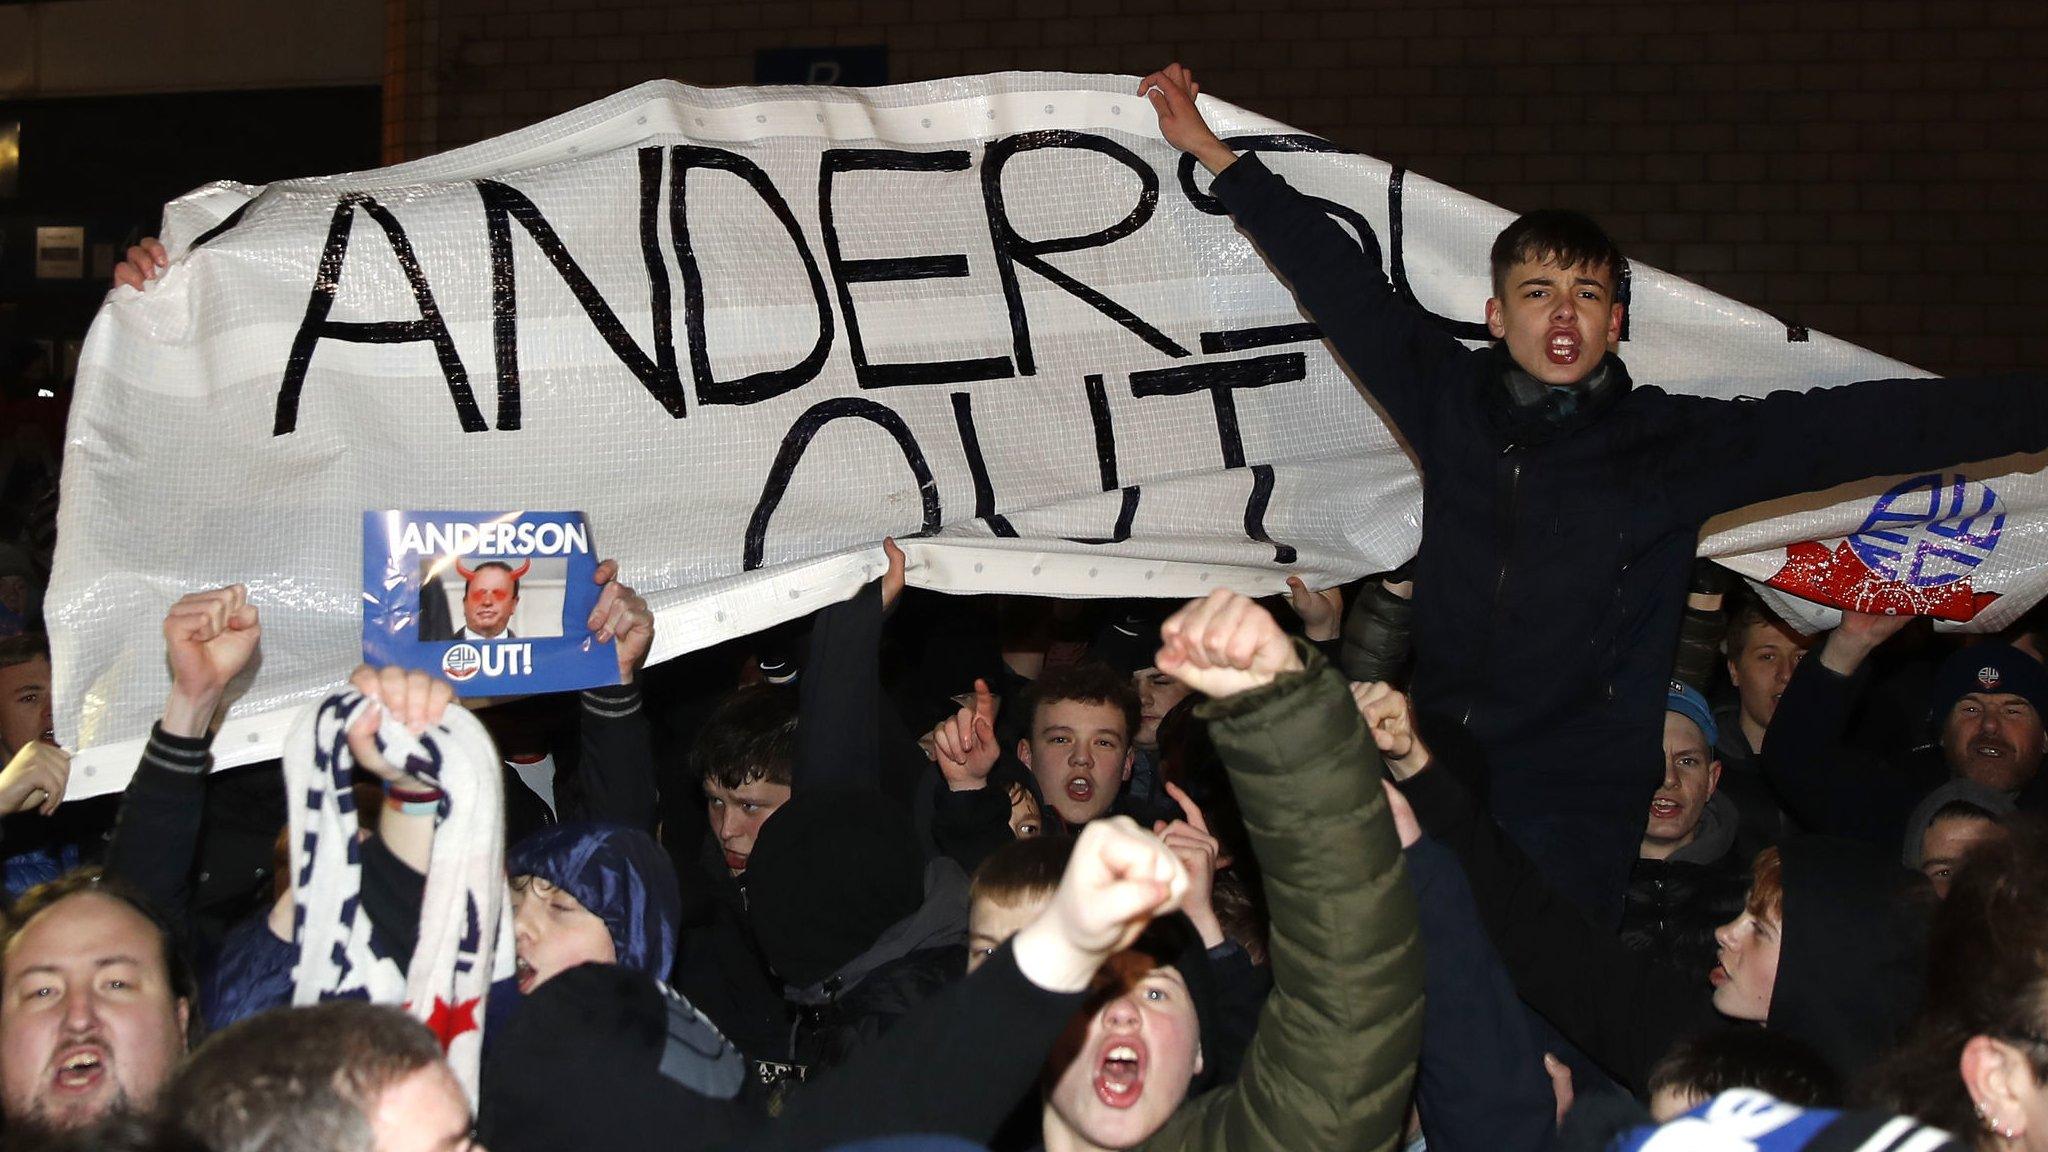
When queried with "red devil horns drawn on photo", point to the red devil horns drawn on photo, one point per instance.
{"points": [[467, 573]]}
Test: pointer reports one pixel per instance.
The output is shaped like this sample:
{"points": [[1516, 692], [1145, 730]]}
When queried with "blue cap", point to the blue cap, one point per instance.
{"points": [[1686, 700]]}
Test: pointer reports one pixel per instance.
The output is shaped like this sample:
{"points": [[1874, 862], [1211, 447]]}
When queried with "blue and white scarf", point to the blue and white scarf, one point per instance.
{"points": [[1746, 1120], [465, 930]]}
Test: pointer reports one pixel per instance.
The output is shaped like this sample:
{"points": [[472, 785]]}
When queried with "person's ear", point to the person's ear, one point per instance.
{"points": [[1714, 778], [1198, 1058], [1998, 1081], [1130, 761], [1024, 751], [1494, 323], [184, 1024], [1614, 319]]}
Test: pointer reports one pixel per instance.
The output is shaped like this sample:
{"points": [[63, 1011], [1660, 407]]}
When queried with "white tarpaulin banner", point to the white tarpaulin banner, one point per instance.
{"points": [[750, 332]]}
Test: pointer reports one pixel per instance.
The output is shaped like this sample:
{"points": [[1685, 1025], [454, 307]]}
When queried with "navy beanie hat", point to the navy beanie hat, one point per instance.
{"points": [[1988, 668]]}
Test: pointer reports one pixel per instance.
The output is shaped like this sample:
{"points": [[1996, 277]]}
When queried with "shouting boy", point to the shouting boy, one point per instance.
{"points": [[1562, 503]]}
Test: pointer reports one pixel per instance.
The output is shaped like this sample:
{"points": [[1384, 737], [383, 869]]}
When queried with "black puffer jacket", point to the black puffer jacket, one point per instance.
{"points": [[852, 918], [1559, 534], [1675, 904], [1850, 967], [835, 1023]]}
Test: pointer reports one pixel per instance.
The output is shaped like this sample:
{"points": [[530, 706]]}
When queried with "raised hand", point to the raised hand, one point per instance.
{"points": [[414, 699], [35, 778], [1224, 644], [1172, 91], [1199, 853], [209, 638], [1392, 727], [1119, 878], [621, 615], [1321, 609], [1856, 637], [142, 264], [892, 580], [964, 744], [1561, 1087]]}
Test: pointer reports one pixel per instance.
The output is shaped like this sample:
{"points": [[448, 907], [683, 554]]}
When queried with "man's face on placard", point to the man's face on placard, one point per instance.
{"points": [[490, 600]]}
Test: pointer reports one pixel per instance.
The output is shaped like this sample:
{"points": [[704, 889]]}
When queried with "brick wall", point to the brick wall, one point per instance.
{"points": [[1875, 169]]}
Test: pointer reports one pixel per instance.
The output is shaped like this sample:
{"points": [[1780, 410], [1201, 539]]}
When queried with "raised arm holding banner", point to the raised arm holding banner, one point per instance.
{"points": [[750, 332]]}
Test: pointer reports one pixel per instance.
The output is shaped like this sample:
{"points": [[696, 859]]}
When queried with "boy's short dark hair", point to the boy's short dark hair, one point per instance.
{"points": [[1241, 909], [501, 566], [1089, 682], [23, 648], [1749, 611], [1022, 871], [750, 736], [1706, 1065], [1559, 236]]}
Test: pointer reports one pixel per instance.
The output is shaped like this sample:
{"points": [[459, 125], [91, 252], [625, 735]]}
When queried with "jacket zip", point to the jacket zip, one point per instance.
{"points": [[1511, 491]]}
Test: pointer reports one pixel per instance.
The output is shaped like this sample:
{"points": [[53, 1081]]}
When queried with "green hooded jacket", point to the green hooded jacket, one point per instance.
{"points": [[1330, 1067]]}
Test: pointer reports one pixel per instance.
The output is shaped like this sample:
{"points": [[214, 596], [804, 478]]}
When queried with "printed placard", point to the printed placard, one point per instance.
{"points": [[497, 602]]}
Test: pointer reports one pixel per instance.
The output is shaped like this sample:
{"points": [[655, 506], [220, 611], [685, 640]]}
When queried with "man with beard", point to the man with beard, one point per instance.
{"points": [[95, 1002], [1985, 719]]}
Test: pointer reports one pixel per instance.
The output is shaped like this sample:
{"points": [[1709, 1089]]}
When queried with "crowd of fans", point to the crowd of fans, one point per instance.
{"points": [[1550, 837]]}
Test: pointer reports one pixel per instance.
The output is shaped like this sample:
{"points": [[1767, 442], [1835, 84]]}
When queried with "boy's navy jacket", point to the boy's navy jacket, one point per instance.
{"points": [[1557, 546], [1480, 1083]]}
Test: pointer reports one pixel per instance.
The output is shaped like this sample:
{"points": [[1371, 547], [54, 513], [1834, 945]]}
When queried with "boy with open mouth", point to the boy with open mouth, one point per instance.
{"points": [[1562, 501], [1338, 1038]]}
